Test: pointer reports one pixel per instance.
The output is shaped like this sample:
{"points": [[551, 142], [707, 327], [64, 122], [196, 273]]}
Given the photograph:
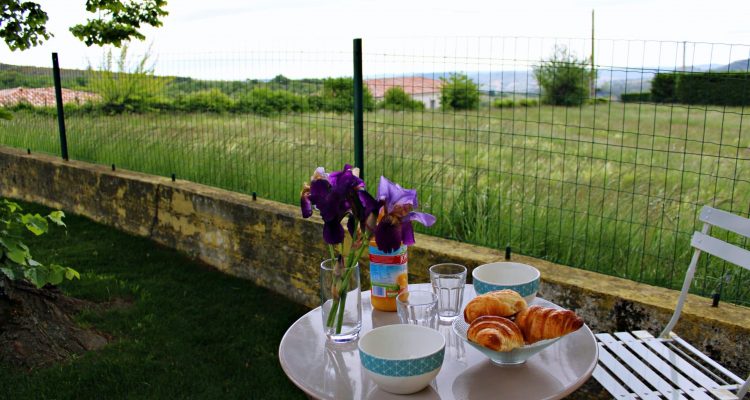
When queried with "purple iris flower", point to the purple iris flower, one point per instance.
{"points": [[337, 195], [395, 226]]}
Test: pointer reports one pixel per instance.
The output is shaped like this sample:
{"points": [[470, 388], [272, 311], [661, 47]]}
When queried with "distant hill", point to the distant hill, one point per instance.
{"points": [[737, 66]]}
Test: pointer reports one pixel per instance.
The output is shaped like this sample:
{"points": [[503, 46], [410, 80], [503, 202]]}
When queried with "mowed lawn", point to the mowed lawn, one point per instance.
{"points": [[190, 331], [610, 187]]}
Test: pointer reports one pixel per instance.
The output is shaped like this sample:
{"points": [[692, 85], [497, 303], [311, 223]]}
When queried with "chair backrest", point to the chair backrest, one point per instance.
{"points": [[703, 242]]}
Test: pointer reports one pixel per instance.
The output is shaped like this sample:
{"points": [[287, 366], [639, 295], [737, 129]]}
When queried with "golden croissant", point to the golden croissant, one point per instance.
{"points": [[539, 323], [496, 333], [500, 303]]}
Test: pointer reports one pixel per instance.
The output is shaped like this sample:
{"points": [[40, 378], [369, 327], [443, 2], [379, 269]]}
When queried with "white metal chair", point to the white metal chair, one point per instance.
{"points": [[646, 367]]}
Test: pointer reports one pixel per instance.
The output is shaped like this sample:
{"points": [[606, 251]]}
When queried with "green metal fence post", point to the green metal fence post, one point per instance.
{"points": [[60, 111], [359, 159]]}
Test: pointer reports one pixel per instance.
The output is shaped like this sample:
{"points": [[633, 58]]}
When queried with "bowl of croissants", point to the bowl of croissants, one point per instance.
{"points": [[509, 331]]}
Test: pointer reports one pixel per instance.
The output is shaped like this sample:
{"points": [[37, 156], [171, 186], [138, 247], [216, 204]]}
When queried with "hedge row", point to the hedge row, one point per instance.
{"points": [[715, 88], [635, 97]]}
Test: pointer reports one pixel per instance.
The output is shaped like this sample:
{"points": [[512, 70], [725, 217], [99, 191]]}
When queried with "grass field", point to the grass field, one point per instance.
{"points": [[189, 332], [612, 187]]}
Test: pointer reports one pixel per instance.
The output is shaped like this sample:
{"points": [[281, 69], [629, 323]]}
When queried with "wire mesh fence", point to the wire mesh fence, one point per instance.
{"points": [[597, 154]]}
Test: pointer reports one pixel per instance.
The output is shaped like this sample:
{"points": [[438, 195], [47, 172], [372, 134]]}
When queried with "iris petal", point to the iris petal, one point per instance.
{"points": [[423, 218], [351, 225], [333, 232], [319, 189], [305, 206], [407, 233], [393, 194], [388, 234]]}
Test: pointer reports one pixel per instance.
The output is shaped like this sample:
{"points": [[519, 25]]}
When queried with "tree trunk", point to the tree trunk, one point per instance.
{"points": [[37, 326]]}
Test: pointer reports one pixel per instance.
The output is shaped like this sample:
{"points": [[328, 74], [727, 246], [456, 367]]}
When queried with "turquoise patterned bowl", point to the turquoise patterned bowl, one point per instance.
{"points": [[522, 278], [402, 358]]}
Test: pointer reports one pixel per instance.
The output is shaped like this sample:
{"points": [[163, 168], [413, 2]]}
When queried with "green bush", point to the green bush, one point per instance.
{"points": [[716, 88], [528, 102], [130, 89], [504, 103], [663, 88], [212, 100], [635, 97], [398, 100], [338, 96], [459, 92], [271, 102], [564, 79], [597, 100]]}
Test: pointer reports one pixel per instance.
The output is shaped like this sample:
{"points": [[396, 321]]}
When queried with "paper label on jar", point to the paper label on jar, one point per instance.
{"points": [[387, 280], [388, 272]]}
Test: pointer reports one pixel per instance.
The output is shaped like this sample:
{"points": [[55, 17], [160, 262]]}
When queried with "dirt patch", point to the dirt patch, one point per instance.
{"points": [[37, 326]]}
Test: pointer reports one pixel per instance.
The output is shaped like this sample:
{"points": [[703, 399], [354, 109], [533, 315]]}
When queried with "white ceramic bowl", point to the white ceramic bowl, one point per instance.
{"points": [[515, 356], [522, 278], [402, 358]]}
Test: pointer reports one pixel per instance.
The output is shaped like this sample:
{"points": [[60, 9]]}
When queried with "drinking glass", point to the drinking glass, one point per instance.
{"points": [[448, 281], [417, 307]]}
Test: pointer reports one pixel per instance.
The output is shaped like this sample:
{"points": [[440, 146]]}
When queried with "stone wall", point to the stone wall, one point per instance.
{"points": [[270, 244]]}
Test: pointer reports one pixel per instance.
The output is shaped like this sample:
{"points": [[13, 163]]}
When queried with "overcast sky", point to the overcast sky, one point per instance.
{"points": [[196, 29]]}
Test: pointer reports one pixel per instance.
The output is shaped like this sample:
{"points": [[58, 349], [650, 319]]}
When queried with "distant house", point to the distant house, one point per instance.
{"points": [[425, 90], [43, 97]]}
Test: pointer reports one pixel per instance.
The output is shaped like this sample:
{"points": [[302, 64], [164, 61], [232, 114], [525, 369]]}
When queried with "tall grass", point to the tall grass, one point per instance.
{"points": [[613, 188]]}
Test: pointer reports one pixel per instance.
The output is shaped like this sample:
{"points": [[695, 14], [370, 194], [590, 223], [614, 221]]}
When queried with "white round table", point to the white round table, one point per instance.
{"points": [[333, 371]]}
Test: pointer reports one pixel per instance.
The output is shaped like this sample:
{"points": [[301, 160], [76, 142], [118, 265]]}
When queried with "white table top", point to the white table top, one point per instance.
{"points": [[333, 371]]}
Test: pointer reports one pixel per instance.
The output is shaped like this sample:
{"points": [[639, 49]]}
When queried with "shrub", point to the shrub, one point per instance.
{"points": [[398, 100], [528, 102], [662, 87], [459, 92], [564, 79], [338, 96], [504, 103], [130, 89], [271, 102], [212, 100], [597, 100], [635, 97], [717, 88]]}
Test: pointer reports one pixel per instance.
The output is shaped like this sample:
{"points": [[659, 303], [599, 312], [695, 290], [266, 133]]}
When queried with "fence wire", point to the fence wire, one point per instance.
{"points": [[592, 165]]}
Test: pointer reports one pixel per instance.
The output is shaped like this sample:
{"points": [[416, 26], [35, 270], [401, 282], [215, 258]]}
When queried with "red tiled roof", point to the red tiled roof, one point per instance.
{"points": [[39, 97], [411, 85]]}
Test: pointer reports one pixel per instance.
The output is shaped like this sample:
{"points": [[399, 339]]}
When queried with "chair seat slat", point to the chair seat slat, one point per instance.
{"points": [[662, 386], [627, 377], [657, 364], [613, 387], [687, 368], [707, 359]]}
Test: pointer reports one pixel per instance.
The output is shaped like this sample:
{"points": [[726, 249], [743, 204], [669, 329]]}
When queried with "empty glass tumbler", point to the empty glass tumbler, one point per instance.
{"points": [[448, 281], [417, 307]]}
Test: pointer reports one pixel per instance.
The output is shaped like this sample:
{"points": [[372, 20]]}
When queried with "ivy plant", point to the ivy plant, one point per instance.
{"points": [[16, 261]]}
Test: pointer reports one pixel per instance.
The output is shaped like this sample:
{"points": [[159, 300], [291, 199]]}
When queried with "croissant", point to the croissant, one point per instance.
{"points": [[496, 333], [500, 303], [539, 323]]}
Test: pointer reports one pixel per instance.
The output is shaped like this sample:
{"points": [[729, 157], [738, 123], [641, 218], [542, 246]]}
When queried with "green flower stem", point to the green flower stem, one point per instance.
{"points": [[345, 281]]}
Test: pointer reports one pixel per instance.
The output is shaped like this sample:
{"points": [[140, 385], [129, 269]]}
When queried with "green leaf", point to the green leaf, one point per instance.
{"points": [[71, 274], [56, 217], [55, 274], [35, 223], [35, 275], [12, 207], [10, 273], [17, 255]]}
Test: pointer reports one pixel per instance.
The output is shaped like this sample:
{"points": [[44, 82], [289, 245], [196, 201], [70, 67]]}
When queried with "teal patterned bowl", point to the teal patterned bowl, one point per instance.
{"points": [[402, 358], [522, 278]]}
